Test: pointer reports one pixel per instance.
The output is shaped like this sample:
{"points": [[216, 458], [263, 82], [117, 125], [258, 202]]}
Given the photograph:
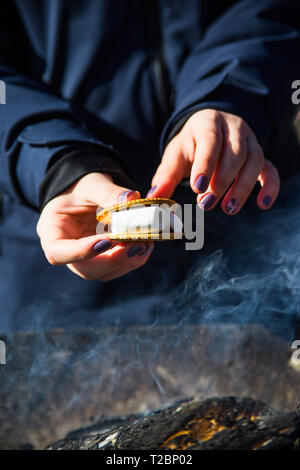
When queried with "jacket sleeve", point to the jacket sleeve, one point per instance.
{"points": [[36, 124], [245, 65], [35, 127]]}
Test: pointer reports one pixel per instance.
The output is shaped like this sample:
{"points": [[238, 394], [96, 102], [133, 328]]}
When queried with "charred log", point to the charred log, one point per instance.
{"points": [[213, 424]]}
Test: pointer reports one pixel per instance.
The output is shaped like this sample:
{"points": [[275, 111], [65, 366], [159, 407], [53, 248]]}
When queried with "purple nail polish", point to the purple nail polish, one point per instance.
{"points": [[123, 196], [201, 183], [232, 206], [151, 191], [267, 201], [101, 246], [134, 250], [207, 202], [147, 248]]}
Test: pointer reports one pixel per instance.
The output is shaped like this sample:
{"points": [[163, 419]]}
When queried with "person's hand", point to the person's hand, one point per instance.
{"points": [[221, 156], [67, 231]]}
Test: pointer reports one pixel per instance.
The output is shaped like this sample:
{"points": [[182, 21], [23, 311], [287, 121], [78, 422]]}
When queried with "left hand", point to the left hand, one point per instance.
{"points": [[220, 154], [67, 231]]}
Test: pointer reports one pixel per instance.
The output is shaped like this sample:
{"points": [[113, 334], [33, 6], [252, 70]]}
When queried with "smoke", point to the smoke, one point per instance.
{"points": [[247, 272], [254, 275], [173, 329]]}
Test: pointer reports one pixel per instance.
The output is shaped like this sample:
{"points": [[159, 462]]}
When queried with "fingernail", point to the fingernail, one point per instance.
{"points": [[151, 191], [101, 246], [267, 201], [207, 202], [232, 206], [134, 250], [147, 247], [201, 183], [123, 196]]}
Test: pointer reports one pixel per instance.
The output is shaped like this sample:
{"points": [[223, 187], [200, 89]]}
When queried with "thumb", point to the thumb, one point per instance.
{"points": [[170, 172], [99, 189]]}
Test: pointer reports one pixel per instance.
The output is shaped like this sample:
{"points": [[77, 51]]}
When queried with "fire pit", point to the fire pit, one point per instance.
{"points": [[59, 381]]}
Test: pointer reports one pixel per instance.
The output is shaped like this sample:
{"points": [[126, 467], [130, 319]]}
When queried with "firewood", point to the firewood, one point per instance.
{"points": [[229, 423]]}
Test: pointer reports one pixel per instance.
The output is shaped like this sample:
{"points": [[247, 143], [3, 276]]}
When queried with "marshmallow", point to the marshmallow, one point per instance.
{"points": [[151, 219]]}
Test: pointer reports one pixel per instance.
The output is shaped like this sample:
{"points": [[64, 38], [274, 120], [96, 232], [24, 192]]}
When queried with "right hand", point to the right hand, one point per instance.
{"points": [[67, 231], [221, 155]]}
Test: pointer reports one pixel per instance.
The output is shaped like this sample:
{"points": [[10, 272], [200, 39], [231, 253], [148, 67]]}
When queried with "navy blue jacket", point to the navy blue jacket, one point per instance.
{"points": [[118, 75]]}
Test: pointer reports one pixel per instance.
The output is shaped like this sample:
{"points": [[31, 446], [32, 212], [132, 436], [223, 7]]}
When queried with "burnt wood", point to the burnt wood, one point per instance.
{"points": [[229, 423]]}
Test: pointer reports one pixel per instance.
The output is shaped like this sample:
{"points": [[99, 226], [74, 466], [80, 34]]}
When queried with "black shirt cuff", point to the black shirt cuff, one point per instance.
{"points": [[76, 163]]}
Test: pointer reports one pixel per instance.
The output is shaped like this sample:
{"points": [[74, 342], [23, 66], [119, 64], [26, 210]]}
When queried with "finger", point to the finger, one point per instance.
{"points": [[117, 262], [246, 179], [64, 251], [137, 262], [229, 164], [208, 149], [270, 183], [170, 172], [101, 190]]}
